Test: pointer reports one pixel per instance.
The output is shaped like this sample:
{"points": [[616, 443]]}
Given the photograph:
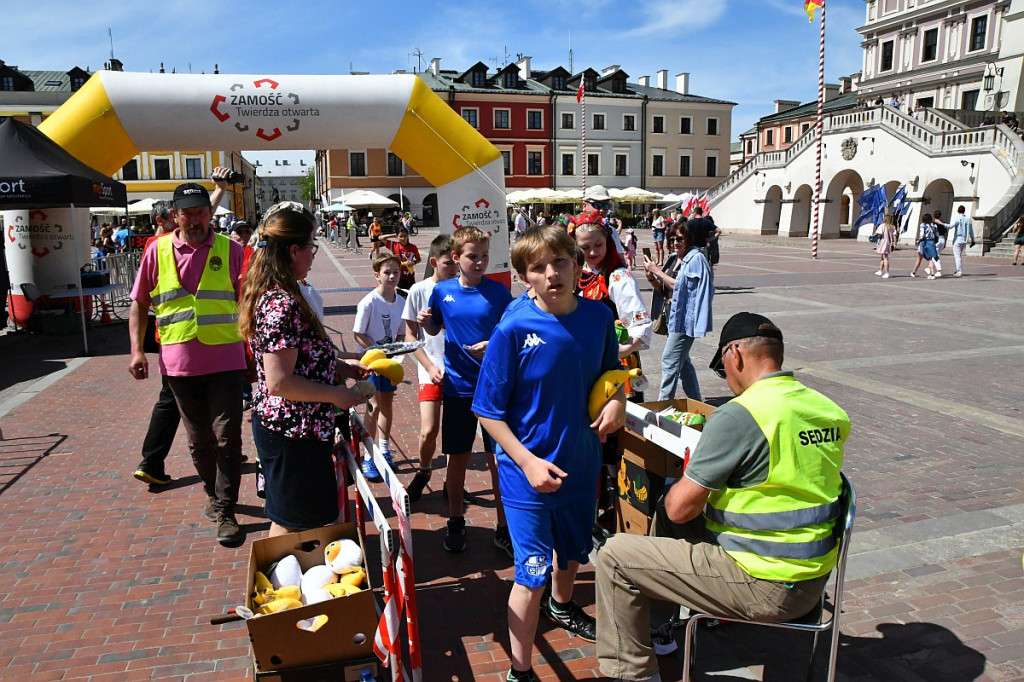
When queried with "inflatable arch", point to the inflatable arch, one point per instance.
{"points": [[115, 115]]}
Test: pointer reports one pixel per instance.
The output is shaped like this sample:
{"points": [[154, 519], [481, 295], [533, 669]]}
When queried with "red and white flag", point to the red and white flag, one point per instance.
{"points": [[579, 93]]}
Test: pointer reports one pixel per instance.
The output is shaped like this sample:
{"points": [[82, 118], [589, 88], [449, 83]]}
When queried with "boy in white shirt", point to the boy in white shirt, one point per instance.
{"points": [[430, 359], [379, 321]]}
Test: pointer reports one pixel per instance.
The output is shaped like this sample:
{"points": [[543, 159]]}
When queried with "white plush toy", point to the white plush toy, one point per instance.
{"points": [[343, 556], [313, 582], [286, 572]]}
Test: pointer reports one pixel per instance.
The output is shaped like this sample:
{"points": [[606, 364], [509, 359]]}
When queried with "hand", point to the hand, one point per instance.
{"points": [[436, 375], [477, 350], [350, 369], [544, 477], [611, 418], [218, 175], [138, 366], [423, 316], [346, 398]]}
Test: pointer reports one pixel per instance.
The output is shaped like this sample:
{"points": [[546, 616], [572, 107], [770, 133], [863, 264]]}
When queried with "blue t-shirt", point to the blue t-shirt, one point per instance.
{"points": [[469, 316], [536, 377]]}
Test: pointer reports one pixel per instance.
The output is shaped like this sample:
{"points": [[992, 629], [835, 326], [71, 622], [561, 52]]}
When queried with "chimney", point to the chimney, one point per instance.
{"points": [[116, 65], [524, 68], [845, 84], [435, 65], [831, 91], [683, 83], [161, 67], [785, 105], [663, 79], [609, 70], [644, 81]]}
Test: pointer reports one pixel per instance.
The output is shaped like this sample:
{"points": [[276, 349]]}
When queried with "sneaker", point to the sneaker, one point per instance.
{"points": [[931, 276], [521, 677], [369, 470], [455, 536], [913, 274], [152, 479], [938, 274], [503, 541], [958, 274], [387, 458], [878, 274], [468, 498], [663, 638], [417, 484], [228, 532], [209, 512], [574, 619], [885, 276]]}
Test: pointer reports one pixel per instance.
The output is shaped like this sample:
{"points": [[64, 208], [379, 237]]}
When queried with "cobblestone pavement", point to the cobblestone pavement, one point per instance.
{"points": [[107, 580]]}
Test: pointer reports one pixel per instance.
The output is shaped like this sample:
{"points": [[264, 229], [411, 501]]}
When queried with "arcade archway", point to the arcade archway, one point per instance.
{"points": [[841, 197], [938, 195], [800, 223], [772, 210]]}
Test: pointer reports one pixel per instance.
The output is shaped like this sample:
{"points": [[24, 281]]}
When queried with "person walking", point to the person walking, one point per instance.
{"points": [[886, 237], [658, 232], [925, 246], [1018, 241], [941, 232], [963, 234]]}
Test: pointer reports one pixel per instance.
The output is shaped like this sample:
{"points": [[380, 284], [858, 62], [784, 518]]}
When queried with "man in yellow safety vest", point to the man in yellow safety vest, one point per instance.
{"points": [[192, 280], [747, 532]]}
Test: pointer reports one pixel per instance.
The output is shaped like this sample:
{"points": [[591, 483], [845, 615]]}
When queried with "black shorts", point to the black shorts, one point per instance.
{"points": [[301, 487], [458, 426]]}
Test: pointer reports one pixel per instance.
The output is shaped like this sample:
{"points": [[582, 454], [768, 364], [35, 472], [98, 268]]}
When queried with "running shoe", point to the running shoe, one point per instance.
{"points": [[369, 470], [151, 478], [503, 541], [417, 484], [455, 536], [573, 618]]}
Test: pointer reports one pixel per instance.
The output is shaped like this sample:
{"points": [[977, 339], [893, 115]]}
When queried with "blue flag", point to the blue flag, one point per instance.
{"points": [[880, 203], [867, 206]]}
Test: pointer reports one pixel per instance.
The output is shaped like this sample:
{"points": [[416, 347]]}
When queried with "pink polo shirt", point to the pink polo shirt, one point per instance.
{"points": [[191, 358]]}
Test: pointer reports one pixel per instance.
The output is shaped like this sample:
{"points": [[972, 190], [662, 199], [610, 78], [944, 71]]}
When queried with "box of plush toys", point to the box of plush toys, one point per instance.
{"points": [[311, 599]]}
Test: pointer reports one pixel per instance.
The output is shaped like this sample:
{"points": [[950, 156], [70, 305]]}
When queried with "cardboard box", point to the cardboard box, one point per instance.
{"points": [[348, 671], [277, 642], [652, 449]]}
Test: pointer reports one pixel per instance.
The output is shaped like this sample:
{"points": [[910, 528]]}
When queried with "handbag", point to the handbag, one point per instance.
{"points": [[660, 325]]}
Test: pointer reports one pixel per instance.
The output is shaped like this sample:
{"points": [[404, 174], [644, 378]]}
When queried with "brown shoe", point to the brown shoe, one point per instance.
{"points": [[209, 512], [228, 532]]}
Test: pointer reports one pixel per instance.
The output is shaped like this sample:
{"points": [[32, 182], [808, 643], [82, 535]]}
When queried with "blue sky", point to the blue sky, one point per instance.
{"points": [[746, 51]]}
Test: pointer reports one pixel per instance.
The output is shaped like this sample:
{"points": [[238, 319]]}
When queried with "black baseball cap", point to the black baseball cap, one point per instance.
{"points": [[742, 326], [241, 225], [190, 195]]}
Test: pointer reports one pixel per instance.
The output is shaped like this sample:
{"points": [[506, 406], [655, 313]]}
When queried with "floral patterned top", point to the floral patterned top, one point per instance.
{"points": [[279, 325]]}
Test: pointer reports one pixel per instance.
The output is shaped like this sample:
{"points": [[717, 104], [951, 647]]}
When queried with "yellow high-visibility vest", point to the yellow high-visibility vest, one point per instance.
{"points": [[211, 315], [783, 529]]}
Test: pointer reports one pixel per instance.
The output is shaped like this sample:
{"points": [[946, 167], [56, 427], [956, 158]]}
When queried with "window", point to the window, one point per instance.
{"points": [[686, 125], [506, 159], [395, 165], [769, 138], [567, 164], [77, 82], [510, 79], [658, 165], [887, 48], [535, 163], [162, 169], [593, 164], [501, 119], [478, 79], [930, 48], [598, 121], [357, 163], [628, 122], [750, 146], [558, 82], [925, 103], [804, 128], [685, 166], [130, 171], [568, 121], [193, 168], [590, 82], [969, 100], [535, 119], [787, 134], [621, 165], [471, 117], [7, 83], [712, 126], [712, 166], [619, 85], [658, 124], [978, 27]]}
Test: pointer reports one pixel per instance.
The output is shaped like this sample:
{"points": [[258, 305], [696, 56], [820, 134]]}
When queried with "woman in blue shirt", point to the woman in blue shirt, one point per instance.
{"points": [[690, 317]]}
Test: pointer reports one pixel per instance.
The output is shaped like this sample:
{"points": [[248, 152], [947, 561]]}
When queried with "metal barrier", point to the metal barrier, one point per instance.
{"points": [[123, 267]]}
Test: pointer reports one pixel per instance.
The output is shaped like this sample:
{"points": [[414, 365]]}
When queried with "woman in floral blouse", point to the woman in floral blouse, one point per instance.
{"points": [[298, 376]]}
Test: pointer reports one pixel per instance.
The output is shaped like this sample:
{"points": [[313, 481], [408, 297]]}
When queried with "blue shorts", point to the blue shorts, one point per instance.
{"points": [[382, 384], [659, 236], [539, 534]]}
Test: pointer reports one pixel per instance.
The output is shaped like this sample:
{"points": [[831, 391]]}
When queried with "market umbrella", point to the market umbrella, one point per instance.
{"points": [[338, 207], [36, 172], [364, 198], [634, 195]]}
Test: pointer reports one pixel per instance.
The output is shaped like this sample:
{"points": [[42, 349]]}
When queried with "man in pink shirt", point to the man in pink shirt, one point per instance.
{"points": [[205, 377]]}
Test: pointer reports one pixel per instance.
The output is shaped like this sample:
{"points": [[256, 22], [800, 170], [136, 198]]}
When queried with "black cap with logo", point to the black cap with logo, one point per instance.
{"points": [[190, 195], [743, 326]]}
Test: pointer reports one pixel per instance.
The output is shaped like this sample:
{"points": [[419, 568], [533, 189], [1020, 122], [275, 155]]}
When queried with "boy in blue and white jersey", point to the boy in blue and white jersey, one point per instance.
{"points": [[467, 308], [541, 363]]}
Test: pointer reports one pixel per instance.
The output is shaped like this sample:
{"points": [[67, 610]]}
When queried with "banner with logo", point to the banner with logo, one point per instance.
{"points": [[43, 249]]}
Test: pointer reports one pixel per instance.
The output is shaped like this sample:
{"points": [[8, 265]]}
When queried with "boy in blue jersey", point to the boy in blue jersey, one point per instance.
{"points": [[541, 363], [468, 308]]}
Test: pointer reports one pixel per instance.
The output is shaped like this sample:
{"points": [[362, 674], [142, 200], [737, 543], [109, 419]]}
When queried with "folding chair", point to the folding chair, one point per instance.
{"points": [[815, 621]]}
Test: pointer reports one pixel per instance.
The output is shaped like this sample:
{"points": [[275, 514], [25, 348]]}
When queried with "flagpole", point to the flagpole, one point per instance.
{"points": [[583, 128], [820, 127]]}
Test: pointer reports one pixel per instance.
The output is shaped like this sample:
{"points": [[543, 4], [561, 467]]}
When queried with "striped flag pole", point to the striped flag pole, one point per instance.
{"points": [[819, 129], [582, 96]]}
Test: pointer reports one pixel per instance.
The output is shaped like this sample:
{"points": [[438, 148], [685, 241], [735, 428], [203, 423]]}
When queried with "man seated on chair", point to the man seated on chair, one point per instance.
{"points": [[747, 532]]}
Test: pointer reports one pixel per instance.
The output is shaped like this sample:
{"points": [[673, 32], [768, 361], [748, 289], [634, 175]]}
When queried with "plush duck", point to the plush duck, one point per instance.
{"points": [[608, 385]]}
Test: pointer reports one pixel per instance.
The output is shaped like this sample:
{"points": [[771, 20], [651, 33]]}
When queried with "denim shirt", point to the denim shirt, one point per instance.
{"points": [[691, 298], [963, 230]]}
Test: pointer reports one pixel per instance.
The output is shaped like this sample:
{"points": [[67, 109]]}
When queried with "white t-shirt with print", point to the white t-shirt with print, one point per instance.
{"points": [[419, 297], [378, 319]]}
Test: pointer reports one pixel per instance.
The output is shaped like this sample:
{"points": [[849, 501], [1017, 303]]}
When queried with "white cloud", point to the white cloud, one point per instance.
{"points": [[665, 16]]}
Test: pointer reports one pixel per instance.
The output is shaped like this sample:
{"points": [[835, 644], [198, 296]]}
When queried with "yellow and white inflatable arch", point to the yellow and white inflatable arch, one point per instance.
{"points": [[115, 115]]}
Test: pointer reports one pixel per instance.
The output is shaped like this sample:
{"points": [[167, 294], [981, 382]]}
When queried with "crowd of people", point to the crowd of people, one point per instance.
{"points": [[232, 311]]}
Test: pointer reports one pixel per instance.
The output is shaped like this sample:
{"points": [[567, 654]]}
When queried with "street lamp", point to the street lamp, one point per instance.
{"points": [[988, 82]]}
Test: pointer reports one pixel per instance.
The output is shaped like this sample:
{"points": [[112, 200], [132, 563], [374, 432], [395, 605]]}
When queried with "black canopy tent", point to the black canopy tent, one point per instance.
{"points": [[36, 172]]}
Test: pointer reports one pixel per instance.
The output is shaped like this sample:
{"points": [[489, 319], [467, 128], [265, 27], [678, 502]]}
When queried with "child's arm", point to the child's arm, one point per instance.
{"points": [[544, 476], [612, 416], [436, 375], [426, 320], [363, 340]]}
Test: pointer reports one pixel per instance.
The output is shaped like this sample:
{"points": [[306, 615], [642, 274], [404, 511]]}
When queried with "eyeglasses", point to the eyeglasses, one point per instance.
{"points": [[312, 247], [719, 369]]}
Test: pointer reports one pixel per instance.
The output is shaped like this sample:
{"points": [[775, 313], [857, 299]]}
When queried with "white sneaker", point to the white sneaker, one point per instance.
{"points": [[878, 273], [931, 276], [913, 274], [939, 273], [958, 274], [885, 276]]}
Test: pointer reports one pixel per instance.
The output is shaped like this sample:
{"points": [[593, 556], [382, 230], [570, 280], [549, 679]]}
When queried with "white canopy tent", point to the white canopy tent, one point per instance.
{"points": [[364, 198]]}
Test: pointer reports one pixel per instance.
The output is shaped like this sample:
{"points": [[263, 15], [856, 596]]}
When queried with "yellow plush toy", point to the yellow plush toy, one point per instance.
{"points": [[378, 362], [608, 385]]}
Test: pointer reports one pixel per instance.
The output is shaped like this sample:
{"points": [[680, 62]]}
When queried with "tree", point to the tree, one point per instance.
{"points": [[308, 184]]}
